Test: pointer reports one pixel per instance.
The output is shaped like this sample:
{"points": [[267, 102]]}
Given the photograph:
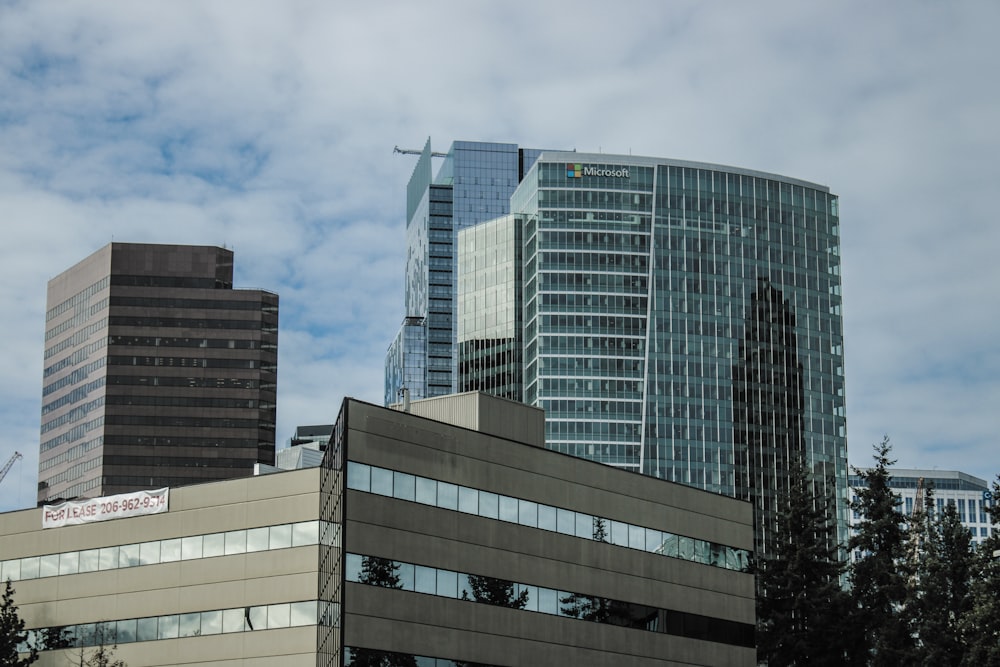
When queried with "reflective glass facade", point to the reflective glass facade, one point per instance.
{"points": [[473, 184], [683, 320]]}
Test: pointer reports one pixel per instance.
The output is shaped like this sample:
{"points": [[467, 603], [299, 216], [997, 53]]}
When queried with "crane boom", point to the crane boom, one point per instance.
{"points": [[7, 466], [412, 151]]}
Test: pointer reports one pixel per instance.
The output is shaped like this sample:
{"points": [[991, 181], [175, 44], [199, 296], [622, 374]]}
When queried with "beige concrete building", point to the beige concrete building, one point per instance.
{"points": [[417, 542]]}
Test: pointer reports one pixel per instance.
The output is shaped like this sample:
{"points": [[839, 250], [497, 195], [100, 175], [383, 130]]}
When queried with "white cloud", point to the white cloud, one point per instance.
{"points": [[269, 127]]}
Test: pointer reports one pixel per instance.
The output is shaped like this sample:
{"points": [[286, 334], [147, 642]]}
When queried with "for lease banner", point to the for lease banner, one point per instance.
{"points": [[73, 512]]}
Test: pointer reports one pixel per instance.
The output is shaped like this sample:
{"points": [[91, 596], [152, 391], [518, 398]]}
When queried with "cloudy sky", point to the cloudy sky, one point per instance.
{"points": [[268, 127]]}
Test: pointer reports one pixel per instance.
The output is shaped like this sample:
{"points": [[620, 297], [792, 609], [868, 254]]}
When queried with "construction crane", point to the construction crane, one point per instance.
{"points": [[411, 151], [7, 466]]}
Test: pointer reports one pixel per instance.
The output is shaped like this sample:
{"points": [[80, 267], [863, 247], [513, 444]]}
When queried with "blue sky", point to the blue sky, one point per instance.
{"points": [[268, 127]]}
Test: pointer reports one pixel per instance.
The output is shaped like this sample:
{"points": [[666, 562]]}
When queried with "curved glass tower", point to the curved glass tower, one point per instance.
{"points": [[682, 320]]}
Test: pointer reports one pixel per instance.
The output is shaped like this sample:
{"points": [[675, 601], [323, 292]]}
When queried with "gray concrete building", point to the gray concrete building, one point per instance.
{"points": [[444, 536], [157, 372]]}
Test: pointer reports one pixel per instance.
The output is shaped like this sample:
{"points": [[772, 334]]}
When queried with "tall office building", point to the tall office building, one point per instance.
{"points": [[971, 496], [473, 184], [157, 372], [682, 320]]}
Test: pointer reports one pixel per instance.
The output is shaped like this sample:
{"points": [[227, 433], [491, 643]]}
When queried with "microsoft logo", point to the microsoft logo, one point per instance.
{"points": [[579, 171]]}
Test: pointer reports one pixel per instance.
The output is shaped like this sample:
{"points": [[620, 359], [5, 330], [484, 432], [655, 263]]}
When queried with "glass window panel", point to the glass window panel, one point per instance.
{"points": [[257, 539], [489, 505], [236, 542], [508, 509], [654, 540], [303, 613], [233, 621], [128, 555], [49, 564], [258, 618], [381, 481], [278, 615], [213, 545], [359, 476], [305, 533], [191, 547], [447, 583], [619, 533], [84, 634], [547, 517], [566, 521], [637, 537], [527, 513], [352, 567], [211, 622], [168, 626], [405, 573], [189, 625], [468, 500], [30, 567], [426, 491], [170, 550], [126, 631], [685, 547], [105, 632], [11, 570], [281, 536], [701, 554], [425, 579], [145, 629], [670, 546], [149, 553], [447, 496], [584, 526], [548, 601], [532, 601], [69, 562], [403, 486]]}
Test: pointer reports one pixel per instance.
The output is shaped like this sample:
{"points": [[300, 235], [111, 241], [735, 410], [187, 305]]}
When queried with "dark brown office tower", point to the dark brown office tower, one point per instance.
{"points": [[157, 372]]}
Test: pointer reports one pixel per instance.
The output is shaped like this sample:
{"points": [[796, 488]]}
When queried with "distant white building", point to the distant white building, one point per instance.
{"points": [[970, 495]]}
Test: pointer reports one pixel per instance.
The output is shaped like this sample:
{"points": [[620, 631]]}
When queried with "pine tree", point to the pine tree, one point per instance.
{"points": [[12, 632], [497, 592], [981, 625], [939, 588], [880, 574], [801, 602]]}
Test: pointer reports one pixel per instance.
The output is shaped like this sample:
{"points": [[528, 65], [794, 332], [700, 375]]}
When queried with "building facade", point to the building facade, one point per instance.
{"points": [[682, 320], [157, 372], [473, 184], [437, 537], [970, 495]]}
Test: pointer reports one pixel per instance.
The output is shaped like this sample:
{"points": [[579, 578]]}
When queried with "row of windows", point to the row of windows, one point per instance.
{"points": [[265, 538], [498, 592], [598, 324], [186, 422], [75, 358], [594, 303], [71, 454], [596, 282], [72, 397], [120, 280], [73, 415], [79, 298], [76, 320], [404, 486], [590, 344], [202, 304], [75, 471], [362, 657], [189, 323], [595, 261], [184, 402], [205, 343], [193, 624], [77, 338], [595, 240], [188, 362], [201, 382], [162, 440]]}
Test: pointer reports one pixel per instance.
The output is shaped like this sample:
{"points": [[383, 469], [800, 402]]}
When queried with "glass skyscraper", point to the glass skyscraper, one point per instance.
{"points": [[682, 320], [473, 184]]}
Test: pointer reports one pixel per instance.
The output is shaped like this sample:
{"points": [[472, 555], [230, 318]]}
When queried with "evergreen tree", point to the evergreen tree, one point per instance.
{"points": [[981, 625], [939, 588], [12, 632], [497, 592], [879, 577], [801, 602]]}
